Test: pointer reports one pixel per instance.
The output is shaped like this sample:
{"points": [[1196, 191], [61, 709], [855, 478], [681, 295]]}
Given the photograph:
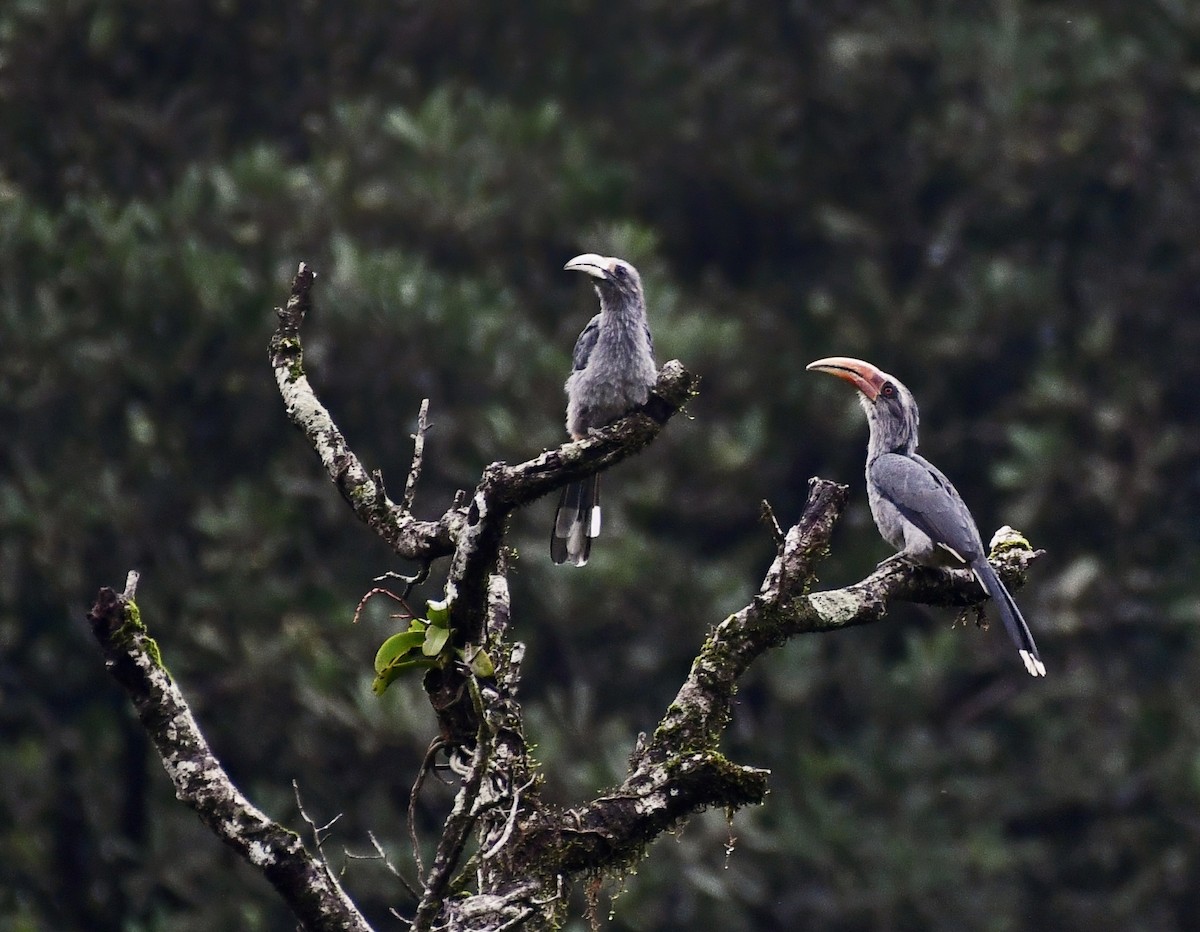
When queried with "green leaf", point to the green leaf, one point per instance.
{"points": [[438, 613], [397, 646], [386, 676], [435, 640], [481, 664]]}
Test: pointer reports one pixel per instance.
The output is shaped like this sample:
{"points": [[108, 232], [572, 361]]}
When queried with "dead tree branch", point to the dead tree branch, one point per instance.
{"points": [[522, 851], [132, 657], [408, 537]]}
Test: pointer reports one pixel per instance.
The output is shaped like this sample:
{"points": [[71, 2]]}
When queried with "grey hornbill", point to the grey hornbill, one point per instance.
{"points": [[612, 373], [915, 507]]}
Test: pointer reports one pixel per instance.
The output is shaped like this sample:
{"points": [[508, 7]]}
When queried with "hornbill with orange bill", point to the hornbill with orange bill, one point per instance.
{"points": [[915, 507], [612, 373]]}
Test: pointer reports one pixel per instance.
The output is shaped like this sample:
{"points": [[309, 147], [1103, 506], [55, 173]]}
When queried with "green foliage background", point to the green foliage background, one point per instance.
{"points": [[996, 201]]}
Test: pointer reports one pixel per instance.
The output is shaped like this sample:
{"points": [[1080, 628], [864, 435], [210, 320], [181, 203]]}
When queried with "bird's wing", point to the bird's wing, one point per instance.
{"points": [[585, 343], [926, 498]]}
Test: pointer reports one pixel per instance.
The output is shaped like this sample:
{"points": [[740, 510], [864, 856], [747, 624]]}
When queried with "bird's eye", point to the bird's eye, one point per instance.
{"points": [[619, 271], [887, 391]]}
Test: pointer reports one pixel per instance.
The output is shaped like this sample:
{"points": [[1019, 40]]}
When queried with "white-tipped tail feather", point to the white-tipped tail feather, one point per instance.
{"points": [[1014, 622], [576, 522], [1032, 664]]}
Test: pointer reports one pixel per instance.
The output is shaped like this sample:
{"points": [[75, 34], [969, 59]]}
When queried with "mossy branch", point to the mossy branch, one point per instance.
{"points": [[679, 771], [132, 657]]}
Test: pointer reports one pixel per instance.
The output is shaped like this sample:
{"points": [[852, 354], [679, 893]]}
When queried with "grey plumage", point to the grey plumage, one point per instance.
{"points": [[612, 372], [916, 508]]}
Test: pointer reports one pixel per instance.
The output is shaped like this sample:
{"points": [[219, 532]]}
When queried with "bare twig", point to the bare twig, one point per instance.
{"points": [[381, 855], [410, 582], [408, 537], [768, 516], [414, 473], [362, 603], [319, 832], [418, 784]]}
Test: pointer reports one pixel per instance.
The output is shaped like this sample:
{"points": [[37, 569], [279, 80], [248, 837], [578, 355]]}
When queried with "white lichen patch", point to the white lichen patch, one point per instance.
{"points": [[650, 804], [1007, 538], [306, 411], [498, 588], [834, 608], [259, 854], [155, 674], [185, 768], [183, 773], [179, 726], [286, 383]]}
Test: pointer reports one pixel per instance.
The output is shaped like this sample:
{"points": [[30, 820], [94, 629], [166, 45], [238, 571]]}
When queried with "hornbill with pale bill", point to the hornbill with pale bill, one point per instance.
{"points": [[915, 507], [612, 373]]}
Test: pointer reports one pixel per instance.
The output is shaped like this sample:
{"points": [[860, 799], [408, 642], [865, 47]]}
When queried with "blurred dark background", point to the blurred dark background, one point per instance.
{"points": [[998, 202]]}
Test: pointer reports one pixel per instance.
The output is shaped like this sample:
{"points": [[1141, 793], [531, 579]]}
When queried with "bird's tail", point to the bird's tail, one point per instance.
{"points": [[576, 522], [1011, 615]]}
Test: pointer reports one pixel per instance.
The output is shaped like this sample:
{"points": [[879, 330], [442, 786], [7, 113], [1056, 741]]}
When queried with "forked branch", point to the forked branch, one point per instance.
{"points": [[525, 849]]}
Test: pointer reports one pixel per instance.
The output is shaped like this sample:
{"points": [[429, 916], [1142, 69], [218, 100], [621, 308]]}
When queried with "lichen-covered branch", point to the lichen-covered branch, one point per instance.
{"points": [[680, 771], [414, 471], [899, 581], [701, 708], [408, 537], [473, 532], [132, 657]]}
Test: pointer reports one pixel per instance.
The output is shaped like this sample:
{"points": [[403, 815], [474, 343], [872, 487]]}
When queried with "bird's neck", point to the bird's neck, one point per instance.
{"points": [[903, 442], [876, 450], [890, 433], [623, 326], [622, 313]]}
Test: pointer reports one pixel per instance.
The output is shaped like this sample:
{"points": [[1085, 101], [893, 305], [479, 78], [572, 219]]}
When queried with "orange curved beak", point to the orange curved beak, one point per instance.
{"points": [[861, 374]]}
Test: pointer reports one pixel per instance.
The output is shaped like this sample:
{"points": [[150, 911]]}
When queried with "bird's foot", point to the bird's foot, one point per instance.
{"points": [[901, 558]]}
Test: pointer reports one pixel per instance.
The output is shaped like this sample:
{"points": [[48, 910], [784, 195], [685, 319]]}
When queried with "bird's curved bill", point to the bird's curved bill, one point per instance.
{"points": [[596, 266], [859, 373]]}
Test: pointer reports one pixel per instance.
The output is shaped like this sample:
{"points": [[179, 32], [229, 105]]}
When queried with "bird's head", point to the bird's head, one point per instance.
{"points": [[615, 279], [891, 409]]}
